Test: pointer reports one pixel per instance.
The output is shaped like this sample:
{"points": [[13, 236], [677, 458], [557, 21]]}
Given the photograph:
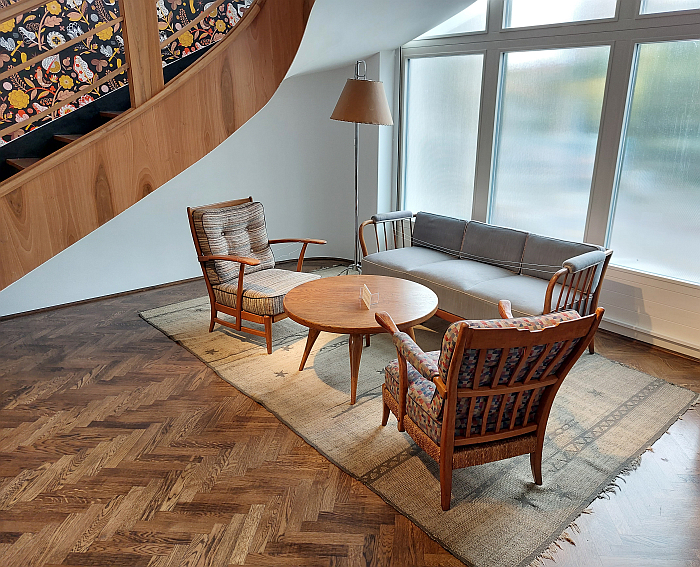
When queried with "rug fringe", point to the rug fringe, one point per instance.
{"points": [[549, 554]]}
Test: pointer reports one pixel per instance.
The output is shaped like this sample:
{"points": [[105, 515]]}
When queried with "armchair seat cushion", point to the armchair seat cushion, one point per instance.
{"points": [[263, 291]]}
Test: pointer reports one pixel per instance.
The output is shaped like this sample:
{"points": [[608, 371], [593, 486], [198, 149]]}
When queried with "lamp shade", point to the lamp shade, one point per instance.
{"points": [[364, 102]]}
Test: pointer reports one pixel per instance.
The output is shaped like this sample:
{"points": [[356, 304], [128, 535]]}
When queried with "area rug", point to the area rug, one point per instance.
{"points": [[604, 417]]}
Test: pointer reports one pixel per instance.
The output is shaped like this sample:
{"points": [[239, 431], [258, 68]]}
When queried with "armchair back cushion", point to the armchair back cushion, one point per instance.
{"points": [[425, 404], [232, 231]]}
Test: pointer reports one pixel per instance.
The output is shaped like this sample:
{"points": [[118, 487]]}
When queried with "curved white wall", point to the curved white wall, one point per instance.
{"points": [[290, 156]]}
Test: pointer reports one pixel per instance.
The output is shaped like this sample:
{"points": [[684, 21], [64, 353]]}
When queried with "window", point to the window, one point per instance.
{"points": [[657, 6], [656, 222], [442, 109], [525, 13], [469, 20], [547, 133]]}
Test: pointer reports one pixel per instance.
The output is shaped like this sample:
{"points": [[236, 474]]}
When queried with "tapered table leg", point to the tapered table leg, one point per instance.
{"points": [[355, 355], [411, 333], [310, 340]]}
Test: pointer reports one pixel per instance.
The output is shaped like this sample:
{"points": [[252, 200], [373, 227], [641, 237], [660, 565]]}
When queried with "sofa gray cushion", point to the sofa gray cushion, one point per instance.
{"points": [[398, 262], [494, 245], [525, 293], [544, 256], [460, 275], [439, 233]]}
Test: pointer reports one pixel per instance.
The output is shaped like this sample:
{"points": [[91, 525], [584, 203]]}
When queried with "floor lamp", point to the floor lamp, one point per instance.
{"points": [[362, 102]]}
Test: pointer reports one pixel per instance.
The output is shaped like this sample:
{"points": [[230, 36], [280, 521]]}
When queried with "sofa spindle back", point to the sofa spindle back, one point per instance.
{"points": [[391, 231]]}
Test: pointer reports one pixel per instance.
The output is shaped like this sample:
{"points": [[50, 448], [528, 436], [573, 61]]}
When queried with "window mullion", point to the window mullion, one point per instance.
{"points": [[612, 118], [487, 122]]}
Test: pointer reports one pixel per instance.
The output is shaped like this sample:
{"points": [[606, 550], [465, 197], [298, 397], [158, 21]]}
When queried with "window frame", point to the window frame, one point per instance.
{"points": [[622, 33]]}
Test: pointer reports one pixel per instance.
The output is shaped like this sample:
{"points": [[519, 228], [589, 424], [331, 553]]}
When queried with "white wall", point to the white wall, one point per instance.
{"points": [[290, 156]]}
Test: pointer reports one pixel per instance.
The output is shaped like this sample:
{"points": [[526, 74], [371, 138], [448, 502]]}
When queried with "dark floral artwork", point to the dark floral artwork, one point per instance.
{"points": [[76, 69], [35, 89], [173, 15]]}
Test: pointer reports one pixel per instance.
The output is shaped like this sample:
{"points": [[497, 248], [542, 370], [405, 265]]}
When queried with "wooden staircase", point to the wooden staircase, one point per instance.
{"points": [[54, 201]]}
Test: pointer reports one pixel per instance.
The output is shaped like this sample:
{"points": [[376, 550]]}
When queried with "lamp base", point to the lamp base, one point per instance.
{"points": [[352, 269]]}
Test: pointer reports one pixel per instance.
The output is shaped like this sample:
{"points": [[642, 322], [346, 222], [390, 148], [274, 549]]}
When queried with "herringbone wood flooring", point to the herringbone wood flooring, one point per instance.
{"points": [[118, 447]]}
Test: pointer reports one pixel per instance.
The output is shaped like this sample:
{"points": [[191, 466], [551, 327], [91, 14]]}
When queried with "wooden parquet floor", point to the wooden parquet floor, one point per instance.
{"points": [[119, 448]]}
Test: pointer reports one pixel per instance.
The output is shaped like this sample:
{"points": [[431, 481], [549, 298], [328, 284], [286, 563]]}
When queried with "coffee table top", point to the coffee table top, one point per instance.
{"points": [[333, 304]]}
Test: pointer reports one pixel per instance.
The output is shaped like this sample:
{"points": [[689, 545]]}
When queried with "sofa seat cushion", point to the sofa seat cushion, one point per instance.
{"points": [[263, 292], [401, 260], [459, 275], [525, 293]]}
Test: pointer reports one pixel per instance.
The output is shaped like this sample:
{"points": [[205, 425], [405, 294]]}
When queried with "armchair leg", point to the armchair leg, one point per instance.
{"points": [[445, 485], [268, 333], [591, 348], [536, 465], [213, 316], [385, 414]]}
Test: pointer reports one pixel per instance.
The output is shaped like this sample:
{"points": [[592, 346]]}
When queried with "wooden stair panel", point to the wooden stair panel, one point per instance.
{"points": [[110, 114], [67, 138], [22, 163], [103, 173]]}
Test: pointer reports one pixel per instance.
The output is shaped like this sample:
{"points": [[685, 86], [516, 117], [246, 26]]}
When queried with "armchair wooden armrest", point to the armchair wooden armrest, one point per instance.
{"points": [[505, 309], [239, 259], [304, 241]]}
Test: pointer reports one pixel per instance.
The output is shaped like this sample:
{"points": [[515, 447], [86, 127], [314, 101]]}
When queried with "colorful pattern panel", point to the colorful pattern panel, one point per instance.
{"points": [[173, 15], [75, 69]]}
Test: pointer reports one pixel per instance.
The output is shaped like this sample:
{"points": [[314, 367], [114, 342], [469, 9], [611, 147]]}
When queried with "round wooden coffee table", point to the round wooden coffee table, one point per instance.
{"points": [[333, 304]]}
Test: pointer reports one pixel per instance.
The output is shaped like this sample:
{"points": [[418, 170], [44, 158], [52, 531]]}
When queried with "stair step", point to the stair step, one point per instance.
{"points": [[110, 113], [66, 138], [22, 163]]}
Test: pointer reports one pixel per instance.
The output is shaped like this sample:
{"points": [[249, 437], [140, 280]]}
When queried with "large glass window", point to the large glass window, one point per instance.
{"points": [[656, 222], [546, 137], [442, 110], [524, 13], [657, 6], [469, 20]]}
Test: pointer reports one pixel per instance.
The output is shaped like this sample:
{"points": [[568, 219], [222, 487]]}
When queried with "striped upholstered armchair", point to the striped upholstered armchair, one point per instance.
{"points": [[237, 261], [461, 421]]}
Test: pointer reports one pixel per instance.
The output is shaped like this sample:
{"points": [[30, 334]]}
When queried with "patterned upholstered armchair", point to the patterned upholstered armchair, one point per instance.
{"points": [[461, 421], [237, 261]]}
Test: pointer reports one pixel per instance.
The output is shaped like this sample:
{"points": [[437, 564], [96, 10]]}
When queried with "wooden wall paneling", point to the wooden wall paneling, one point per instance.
{"points": [[142, 47], [72, 192]]}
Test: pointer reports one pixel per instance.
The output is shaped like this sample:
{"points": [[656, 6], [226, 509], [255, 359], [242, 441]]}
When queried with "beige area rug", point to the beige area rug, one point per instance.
{"points": [[604, 417]]}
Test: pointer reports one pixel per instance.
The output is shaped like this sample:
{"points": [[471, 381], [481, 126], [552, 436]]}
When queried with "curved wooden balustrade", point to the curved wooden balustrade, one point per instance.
{"points": [[52, 204]]}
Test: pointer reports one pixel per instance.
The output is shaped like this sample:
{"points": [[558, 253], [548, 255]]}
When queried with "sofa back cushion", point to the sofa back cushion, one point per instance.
{"points": [[495, 245], [439, 233], [543, 256]]}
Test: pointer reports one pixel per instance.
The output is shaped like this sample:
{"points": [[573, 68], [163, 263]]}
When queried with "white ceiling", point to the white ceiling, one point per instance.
{"points": [[341, 31]]}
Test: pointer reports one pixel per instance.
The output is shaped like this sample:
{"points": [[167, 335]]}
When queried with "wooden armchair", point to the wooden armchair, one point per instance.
{"points": [[461, 421], [236, 259]]}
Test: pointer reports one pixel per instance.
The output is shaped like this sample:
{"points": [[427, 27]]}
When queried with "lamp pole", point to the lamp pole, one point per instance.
{"points": [[361, 102]]}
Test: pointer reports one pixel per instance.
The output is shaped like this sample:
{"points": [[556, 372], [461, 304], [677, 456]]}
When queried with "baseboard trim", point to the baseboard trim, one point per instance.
{"points": [[148, 288], [654, 340]]}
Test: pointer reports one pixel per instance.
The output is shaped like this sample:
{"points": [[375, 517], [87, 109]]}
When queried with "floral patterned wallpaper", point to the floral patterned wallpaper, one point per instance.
{"points": [[176, 14], [33, 90]]}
